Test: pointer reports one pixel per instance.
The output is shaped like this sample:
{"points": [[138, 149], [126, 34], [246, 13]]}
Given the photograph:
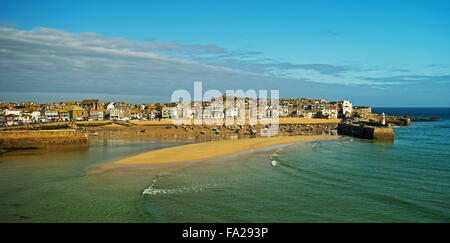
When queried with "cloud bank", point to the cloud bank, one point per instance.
{"points": [[52, 60]]}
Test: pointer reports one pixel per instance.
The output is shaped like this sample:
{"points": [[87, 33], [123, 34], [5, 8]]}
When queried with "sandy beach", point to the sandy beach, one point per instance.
{"points": [[212, 149]]}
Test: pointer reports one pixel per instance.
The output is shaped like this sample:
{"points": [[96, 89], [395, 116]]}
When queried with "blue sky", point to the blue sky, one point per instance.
{"points": [[380, 53]]}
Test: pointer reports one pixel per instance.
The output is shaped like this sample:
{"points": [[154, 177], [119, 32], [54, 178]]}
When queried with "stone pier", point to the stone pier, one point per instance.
{"points": [[366, 131], [42, 138]]}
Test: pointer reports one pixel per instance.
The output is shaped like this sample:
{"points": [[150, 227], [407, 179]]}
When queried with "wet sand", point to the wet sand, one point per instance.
{"points": [[199, 151], [132, 131]]}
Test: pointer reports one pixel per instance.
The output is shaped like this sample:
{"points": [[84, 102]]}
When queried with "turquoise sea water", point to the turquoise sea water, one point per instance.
{"points": [[340, 180]]}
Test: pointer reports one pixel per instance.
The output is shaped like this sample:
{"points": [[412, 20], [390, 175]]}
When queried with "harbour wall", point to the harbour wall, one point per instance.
{"points": [[366, 132], [43, 126], [42, 138], [399, 121]]}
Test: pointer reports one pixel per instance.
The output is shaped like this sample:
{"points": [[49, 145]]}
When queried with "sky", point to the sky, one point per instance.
{"points": [[377, 53]]}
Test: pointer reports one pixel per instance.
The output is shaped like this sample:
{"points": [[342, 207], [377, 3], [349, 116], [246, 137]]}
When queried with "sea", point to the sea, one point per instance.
{"points": [[337, 180]]}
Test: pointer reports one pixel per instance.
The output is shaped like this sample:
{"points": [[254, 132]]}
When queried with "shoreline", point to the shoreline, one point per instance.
{"points": [[207, 150], [154, 130]]}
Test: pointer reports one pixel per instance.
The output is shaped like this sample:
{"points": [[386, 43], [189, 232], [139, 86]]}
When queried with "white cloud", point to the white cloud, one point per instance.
{"points": [[52, 60]]}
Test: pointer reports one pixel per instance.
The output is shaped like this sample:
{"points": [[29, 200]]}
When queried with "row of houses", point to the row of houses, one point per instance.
{"points": [[315, 108], [95, 109], [17, 116], [87, 110]]}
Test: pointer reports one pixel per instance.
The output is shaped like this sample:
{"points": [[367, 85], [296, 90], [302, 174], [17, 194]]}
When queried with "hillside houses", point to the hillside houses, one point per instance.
{"points": [[96, 110]]}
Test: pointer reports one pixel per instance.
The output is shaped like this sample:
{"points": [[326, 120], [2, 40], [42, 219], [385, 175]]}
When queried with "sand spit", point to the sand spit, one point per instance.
{"points": [[199, 151]]}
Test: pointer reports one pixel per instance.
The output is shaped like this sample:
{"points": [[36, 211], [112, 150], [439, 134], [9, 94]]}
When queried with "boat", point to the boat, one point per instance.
{"points": [[94, 134], [275, 163]]}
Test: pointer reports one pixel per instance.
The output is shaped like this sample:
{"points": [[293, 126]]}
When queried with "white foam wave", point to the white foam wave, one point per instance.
{"points": [[275, 163], [152, 190]]}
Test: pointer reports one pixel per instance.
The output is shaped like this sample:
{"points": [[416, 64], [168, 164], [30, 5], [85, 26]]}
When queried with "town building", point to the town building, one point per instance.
{"points": [[51, 115], [346, 108], [95, 115], [77, 113], [64, 115], [96, 105]]}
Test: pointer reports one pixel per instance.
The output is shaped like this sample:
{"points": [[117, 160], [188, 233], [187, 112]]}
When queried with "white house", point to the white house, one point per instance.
{"points": [[116, 114], [330, 112], [13, 112], [110, 106], [181, 111], [231, 112], [346, 107], [216, 111], [52, 115], [300, 112], [35, 115], [165, 112], [309, 114], [283, 111]]}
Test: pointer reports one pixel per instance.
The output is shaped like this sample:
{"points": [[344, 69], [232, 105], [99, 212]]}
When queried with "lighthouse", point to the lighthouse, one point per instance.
{"points": [[383, 120]]}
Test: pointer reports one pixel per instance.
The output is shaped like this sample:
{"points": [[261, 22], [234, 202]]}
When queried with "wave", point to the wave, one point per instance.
{"points": [[274, 156], [275, 160], [152, 190]]}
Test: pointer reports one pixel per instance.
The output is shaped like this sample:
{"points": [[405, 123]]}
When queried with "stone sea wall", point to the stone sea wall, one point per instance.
{"points": [[42, 138], [366, 132], [398, 121]]}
